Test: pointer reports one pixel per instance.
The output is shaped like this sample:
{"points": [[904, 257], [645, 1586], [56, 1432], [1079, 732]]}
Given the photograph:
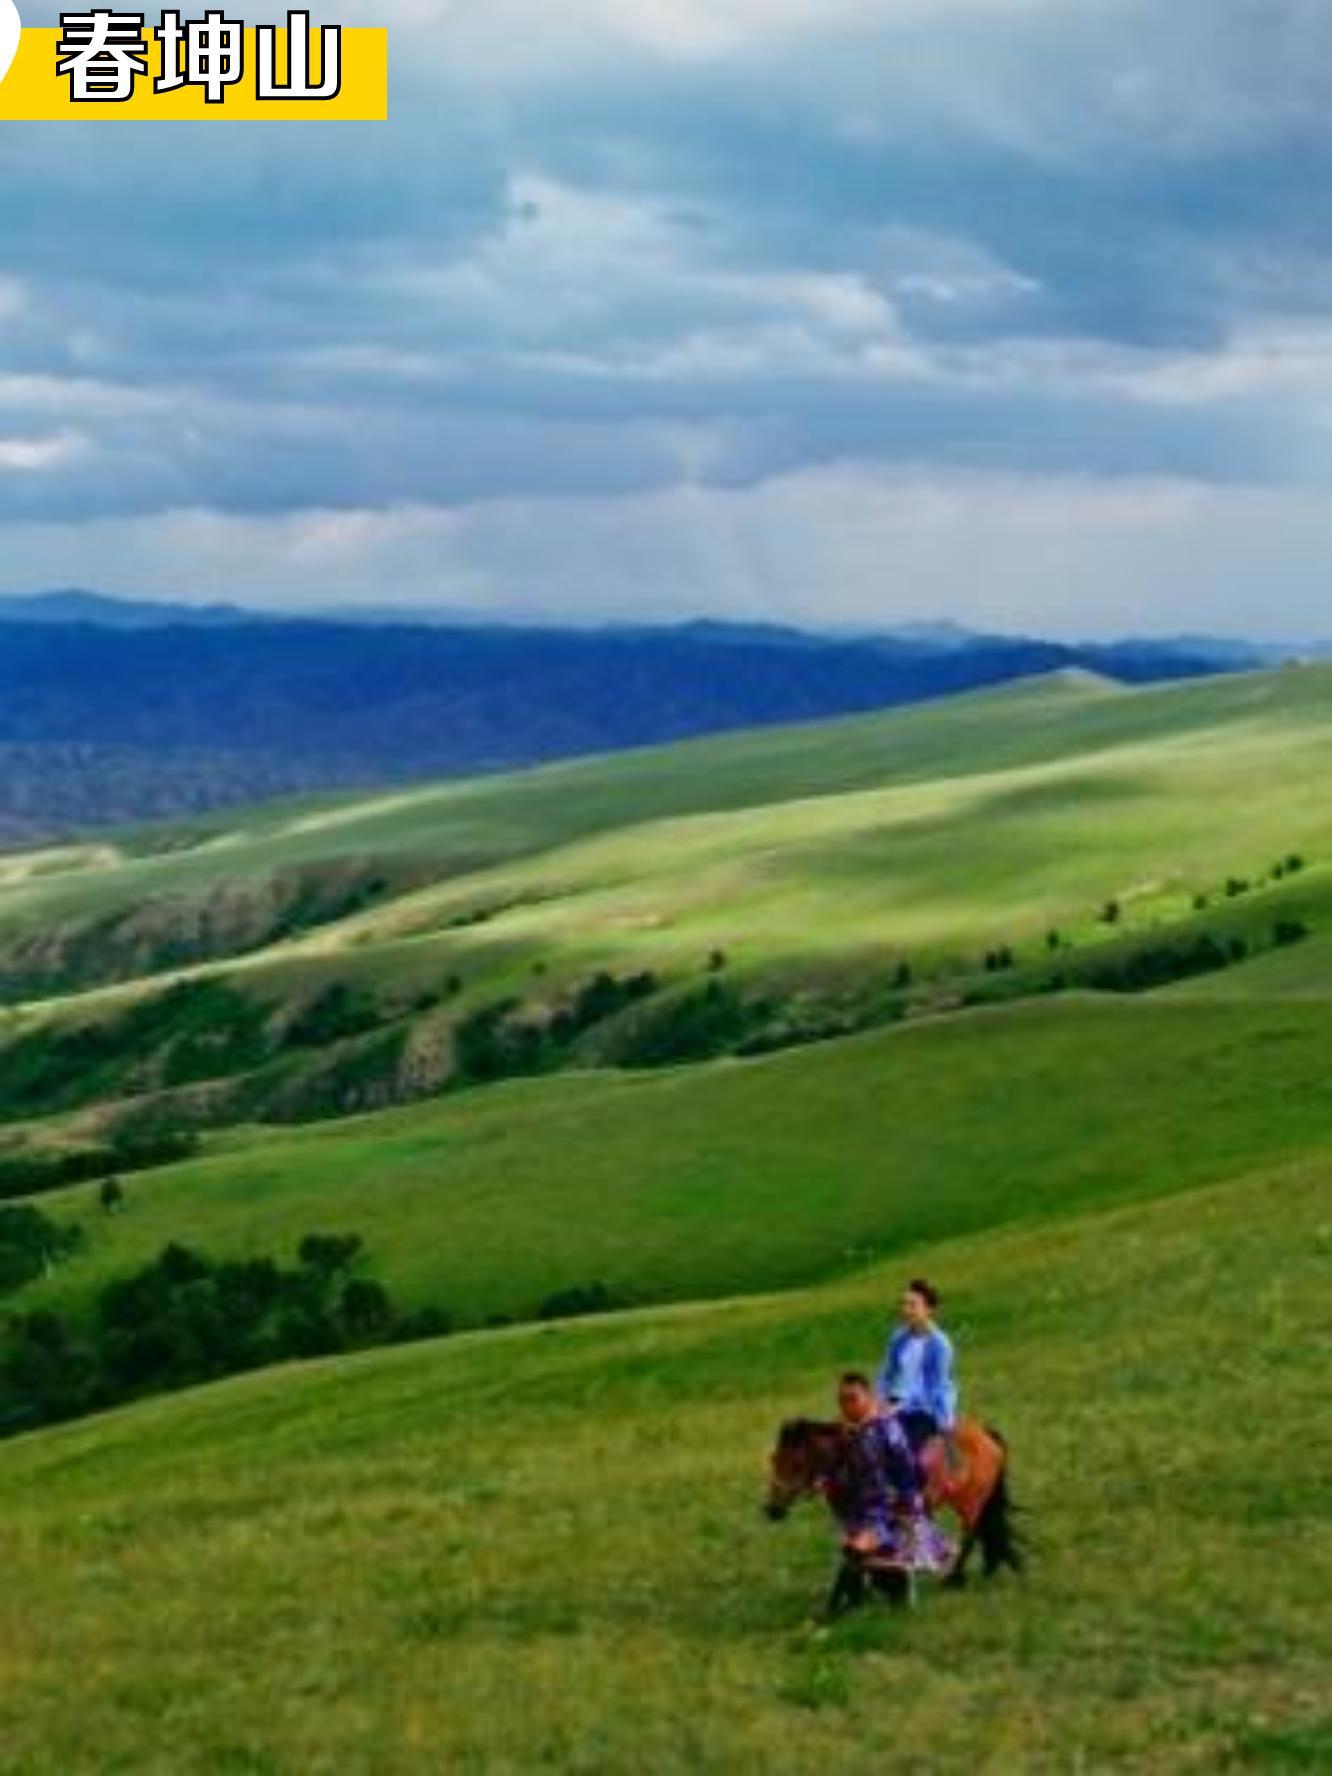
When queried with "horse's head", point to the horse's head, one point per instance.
{"points": [[805, 1457]]}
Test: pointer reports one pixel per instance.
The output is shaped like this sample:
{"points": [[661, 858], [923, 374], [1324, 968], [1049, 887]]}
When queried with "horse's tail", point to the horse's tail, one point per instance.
{"points": [[1001, 1543]]}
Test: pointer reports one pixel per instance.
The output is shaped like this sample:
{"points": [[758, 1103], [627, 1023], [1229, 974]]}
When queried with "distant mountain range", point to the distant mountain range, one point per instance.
{"points": [[115, 710]]}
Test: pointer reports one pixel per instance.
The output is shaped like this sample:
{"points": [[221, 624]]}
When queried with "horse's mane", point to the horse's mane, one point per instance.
{"points": [[797, 1432]]}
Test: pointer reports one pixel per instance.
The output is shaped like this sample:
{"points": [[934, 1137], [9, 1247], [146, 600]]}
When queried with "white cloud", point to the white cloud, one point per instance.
{"points": [[42, 456]]}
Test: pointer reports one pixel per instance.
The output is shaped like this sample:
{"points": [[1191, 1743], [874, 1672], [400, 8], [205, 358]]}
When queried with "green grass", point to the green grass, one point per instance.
{"points": [[816, 859], [984, 817], [541, 1550], [754, 1175]]}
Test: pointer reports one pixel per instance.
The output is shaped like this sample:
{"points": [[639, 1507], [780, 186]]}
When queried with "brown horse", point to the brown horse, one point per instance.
{"points": [[967, 1472]]}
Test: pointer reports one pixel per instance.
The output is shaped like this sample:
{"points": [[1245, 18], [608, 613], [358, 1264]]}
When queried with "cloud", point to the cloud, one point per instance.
{"points": [[37, 456], [644, 274], [852, 546]]}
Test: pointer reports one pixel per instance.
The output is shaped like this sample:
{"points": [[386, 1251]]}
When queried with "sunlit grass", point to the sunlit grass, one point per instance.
{"points": [[542, 1549]]}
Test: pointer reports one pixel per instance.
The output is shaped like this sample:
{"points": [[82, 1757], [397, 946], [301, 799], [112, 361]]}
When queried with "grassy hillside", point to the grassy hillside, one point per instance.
{"points": [[755, 1175], [842, 875], [539, 1547], [499, 819], [542, 1550]]}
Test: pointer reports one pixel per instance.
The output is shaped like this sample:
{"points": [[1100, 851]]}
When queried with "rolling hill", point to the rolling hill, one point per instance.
{"points": [[741, 893], [538, 1546]]}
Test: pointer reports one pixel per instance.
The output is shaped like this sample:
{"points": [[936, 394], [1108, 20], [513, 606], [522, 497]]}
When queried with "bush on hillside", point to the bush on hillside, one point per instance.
{"points": [[30, 1243], [35, 1171], [1289, 931], [502, 1041], [695, 1026], [339, 1011], [581, 1300]]}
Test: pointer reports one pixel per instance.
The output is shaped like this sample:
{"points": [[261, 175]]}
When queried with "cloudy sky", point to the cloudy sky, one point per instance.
{"points": [[843, 311]]}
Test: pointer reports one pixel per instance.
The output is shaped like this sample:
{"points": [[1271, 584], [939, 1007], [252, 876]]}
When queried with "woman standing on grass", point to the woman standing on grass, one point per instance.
{"points": [[916, 1380]]}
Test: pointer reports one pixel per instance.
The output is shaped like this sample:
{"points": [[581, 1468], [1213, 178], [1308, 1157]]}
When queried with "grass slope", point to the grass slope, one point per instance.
{"points": [[1229, 733], [540, 1550], [816, 859], [754, 1175]]}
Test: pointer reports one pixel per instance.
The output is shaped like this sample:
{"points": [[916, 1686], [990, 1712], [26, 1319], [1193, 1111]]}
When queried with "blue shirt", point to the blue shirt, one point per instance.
{"points": [[918, 1373]]}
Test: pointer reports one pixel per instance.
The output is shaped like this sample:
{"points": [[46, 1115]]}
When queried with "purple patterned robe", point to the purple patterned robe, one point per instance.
{"points": [[884, 1499]]}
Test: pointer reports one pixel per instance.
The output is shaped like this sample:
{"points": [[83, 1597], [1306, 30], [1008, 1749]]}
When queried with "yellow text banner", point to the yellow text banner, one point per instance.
{"points": [[35, 92]]}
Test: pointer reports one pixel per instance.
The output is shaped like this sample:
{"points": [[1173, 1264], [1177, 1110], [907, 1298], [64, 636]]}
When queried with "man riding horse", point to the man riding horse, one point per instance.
{"points": [[883, 1517], [890, 1462]]}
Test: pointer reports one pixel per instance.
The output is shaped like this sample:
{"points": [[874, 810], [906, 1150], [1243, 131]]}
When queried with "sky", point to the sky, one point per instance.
{"points": [[843, 313]]}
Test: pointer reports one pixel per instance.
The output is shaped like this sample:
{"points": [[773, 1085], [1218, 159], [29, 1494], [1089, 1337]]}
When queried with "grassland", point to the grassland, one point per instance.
{"points": [[538, 1548], [541, 1550], [751, 1175], [1031, 803], [822, 864]]}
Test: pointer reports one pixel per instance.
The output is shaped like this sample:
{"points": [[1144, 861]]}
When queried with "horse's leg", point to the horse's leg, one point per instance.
{"points": [[848, 1591], [957, 1577], [1000, 1544], [895, 1587]]}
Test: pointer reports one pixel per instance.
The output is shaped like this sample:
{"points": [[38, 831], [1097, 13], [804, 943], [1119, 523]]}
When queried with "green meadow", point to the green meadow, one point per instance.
{"points": [[542, 1549], [750, 1175], [842, 875], [922, 832], [538, 1546]]}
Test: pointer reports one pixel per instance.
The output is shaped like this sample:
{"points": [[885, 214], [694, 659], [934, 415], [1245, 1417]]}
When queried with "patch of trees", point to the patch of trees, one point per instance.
{"points": [[1287, 932], [32, 1172], [696, 1026], [336, 1013], [501, 1041], [1158, 964], [30, 1244], [195, 1032], [201, 1029], [187, 1318], [324, 894]]}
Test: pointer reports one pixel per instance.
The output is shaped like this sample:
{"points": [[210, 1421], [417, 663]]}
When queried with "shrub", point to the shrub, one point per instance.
{"points": [[582, 1299], [1156, 965], [695, 1026], [336, 1013], [426, 1322], [29, 1244], [1289, 931], [366, 1309]]}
